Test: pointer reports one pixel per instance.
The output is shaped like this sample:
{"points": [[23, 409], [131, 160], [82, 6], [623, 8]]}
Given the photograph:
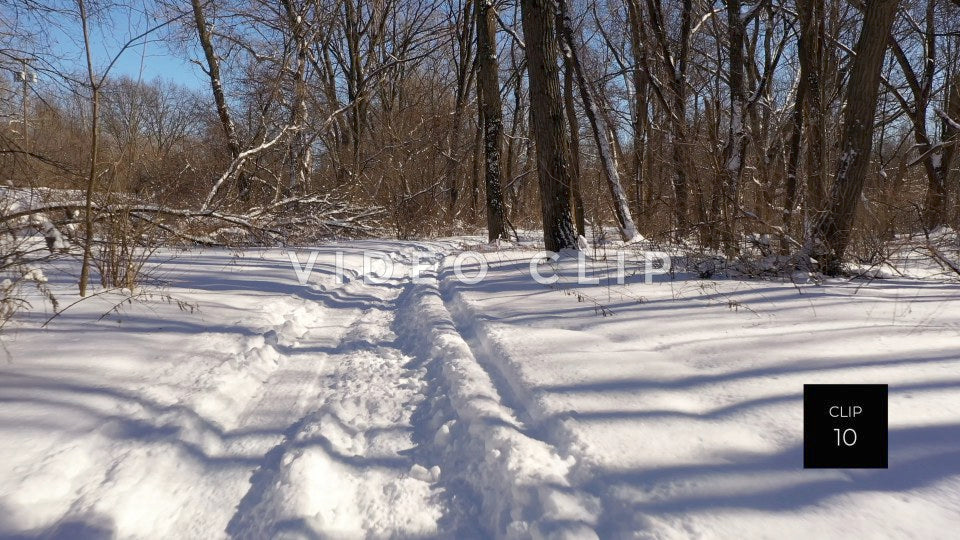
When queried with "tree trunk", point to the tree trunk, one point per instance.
{"points": [[488, 83], [94, 147], [640, 83], [937, 163], [356, 83], [831, 234], [951, 138], [735, 148], [793, 158], [216, 86], [628, 231], [299, 154], [570, 107], [546, 109], [464, 83], [811, 64], [677, 67]]}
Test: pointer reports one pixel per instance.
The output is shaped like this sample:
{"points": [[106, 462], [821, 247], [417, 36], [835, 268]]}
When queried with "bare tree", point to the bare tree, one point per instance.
{"points": [[921, 85], [546, 111], [628, 231], [95, 84], [300, 153], [488, 88], [570, 109], [831, 232], [676, 64], [205, 34], [735, 149], [640, 108]]}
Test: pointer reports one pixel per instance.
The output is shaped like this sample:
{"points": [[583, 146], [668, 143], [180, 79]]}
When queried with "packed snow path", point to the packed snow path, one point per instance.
{"points": [[356, 440], [304, 430], [267, 398], [333, 408]]}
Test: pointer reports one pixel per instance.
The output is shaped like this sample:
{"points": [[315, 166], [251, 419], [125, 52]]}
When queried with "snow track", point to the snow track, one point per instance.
{"points": [[409, 435], [519, 484], [126, 448], [325, 410], [351, 466], [299, 423]]}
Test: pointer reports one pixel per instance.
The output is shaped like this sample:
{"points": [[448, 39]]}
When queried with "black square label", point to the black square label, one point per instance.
{"points": [[845, 426]]}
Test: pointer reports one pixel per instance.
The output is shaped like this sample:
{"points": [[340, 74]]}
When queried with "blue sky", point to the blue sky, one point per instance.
{"points": [[154, 60], [156, 56]]}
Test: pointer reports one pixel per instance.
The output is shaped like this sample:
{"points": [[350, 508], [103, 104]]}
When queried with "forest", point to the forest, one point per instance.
{"points": [[518, 269], [815, 131], [819, 129]]}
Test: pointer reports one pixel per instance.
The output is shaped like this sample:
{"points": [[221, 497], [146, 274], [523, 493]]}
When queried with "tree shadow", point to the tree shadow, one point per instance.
{"points": [[918, 457], [89, 526]]}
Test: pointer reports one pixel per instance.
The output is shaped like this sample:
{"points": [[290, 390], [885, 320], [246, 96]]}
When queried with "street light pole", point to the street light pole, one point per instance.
{"points": [[25, 77]]}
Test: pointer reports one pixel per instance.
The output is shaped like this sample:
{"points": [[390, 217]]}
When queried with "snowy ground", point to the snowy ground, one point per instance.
{"points": [[240, 403]]}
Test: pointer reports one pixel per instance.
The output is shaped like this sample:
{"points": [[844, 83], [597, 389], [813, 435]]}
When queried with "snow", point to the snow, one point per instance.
{"points": [[684, 408], [271, 394], [13, 200], [165, 423]]}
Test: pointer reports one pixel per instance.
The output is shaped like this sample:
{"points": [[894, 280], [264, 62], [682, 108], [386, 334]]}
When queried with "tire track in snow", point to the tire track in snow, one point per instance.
{"points": [[494, 357], [499, 362], [519, 484], [349, 467]]}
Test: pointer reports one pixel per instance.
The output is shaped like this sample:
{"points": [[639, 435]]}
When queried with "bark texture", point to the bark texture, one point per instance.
{"points": [[831, 233], [546, 111], [488, 86], [621, 208]]}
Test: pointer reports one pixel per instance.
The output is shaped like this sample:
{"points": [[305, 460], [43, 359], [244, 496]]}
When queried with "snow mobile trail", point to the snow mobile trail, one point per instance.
{"points": [[409, 435], [511, 482], [350, 466], [298, 420], [334, 408]]}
